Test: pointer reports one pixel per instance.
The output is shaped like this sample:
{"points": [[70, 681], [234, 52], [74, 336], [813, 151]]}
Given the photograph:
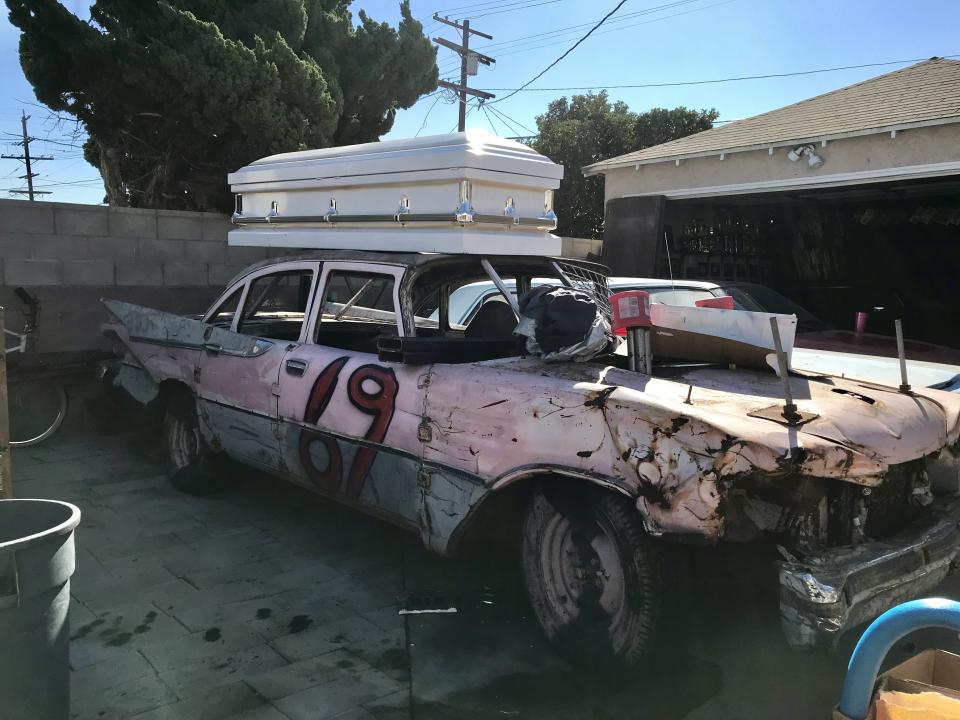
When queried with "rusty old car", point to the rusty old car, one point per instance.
{"points": [[339, 370]]}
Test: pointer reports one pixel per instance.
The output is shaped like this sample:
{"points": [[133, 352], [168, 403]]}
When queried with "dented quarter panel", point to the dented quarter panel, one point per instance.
{"points": [[164, 344]]}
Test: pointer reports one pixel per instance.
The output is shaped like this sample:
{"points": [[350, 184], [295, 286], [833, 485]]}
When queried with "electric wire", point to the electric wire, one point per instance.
{"points": [[511, 125], [552, 42], [522, 7], [486, 113], [493, 8], [507, 125], [427, 116], [517, 122], [719, 80], [572, 29], [568, 51], [470, 6], [527, 43]]}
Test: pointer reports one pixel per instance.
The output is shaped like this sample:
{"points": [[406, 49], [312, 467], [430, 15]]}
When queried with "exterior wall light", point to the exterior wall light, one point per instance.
{"points": [[807, 151]]}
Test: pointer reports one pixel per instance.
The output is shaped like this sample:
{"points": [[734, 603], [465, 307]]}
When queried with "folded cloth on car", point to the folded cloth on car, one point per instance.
{"points": [[563, 316]]}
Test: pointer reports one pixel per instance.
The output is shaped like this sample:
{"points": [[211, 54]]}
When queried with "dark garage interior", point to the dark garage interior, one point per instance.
{"points": [[888, 249]]}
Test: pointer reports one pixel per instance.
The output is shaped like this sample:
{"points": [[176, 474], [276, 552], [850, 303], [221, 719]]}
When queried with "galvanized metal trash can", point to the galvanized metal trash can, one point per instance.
{"points": [[36, 562]]}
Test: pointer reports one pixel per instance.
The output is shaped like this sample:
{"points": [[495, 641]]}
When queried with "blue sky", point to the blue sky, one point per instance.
{"points": [[693, 40]]}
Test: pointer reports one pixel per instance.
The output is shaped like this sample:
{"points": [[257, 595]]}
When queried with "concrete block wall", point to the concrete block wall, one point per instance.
{"points": [[70, 256]]}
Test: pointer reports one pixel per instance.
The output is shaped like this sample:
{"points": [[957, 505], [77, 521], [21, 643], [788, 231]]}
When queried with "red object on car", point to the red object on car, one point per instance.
{"points": [[630, 309], [723, 302]]}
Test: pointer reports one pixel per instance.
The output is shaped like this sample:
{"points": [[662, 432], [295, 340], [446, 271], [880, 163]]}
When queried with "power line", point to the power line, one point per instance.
{"points": [[469, 6], [522, 7], [427, 116], [571, 29], [510, 122], [717, 80], [518, 123], [489, 120], [27, 161], [494, 8], [508, 126], [569, 50], [552, 42]]}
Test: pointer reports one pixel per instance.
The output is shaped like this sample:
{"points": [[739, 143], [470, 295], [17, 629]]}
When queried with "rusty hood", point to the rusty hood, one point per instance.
{"points": [[857, 431]]}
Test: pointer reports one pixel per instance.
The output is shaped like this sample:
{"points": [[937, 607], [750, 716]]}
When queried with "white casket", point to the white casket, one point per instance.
{"points": [[466, 192]]}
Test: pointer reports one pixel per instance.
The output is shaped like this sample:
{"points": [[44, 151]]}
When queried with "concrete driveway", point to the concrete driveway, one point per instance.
{"points": [[265, 602]]}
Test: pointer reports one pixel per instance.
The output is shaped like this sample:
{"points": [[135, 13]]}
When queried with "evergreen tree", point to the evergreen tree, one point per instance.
{"points": [[174, 94], [587, 129]]}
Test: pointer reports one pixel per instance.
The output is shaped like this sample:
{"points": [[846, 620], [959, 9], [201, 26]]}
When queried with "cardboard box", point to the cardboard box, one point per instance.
{"points": [[927, 674]]}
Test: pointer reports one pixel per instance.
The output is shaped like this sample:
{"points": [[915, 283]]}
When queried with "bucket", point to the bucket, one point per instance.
{"points": [[36, 562]]}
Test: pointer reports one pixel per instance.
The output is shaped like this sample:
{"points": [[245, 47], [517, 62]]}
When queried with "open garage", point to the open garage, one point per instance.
{"points": [[848, 201]]}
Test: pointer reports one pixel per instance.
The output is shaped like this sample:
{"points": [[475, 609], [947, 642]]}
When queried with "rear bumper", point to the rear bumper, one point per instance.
{"points": [[827, 594]]}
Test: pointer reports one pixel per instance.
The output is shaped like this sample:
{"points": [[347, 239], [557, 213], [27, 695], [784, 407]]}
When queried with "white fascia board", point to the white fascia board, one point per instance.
{"points": [[862, 177], [601, 167]]}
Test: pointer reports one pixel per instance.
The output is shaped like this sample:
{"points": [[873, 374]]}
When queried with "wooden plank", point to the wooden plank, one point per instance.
{"points": [[6, 479]]}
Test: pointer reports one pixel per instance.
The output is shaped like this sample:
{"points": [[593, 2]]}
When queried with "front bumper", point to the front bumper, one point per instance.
{"points": [[827, 594]]}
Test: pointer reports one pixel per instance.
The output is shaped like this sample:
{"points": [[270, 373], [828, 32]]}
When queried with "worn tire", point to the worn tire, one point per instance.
{"points": [[191, 464], [592, 575]]}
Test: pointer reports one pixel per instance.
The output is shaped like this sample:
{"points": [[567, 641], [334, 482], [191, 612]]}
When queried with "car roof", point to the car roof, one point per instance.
{"points": [[620, 282], [405, 259]]}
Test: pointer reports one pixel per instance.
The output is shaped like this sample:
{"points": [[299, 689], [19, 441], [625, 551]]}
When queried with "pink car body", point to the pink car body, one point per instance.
{"points": [[427, 444]]}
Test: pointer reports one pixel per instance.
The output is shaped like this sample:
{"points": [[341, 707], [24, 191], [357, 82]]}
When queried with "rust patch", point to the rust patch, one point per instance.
{"points": [[677, 423], [599, 399], [654, 494]]}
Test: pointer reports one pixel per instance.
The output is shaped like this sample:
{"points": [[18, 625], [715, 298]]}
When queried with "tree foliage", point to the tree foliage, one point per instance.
{"points": [[587, 129], [174, 94]]}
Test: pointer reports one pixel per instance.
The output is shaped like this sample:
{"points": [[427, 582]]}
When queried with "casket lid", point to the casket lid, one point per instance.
{"points": [[474, 149]]}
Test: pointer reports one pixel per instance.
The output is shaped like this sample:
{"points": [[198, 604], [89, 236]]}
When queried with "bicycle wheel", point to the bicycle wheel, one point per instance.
{"points": [[36, 408]]}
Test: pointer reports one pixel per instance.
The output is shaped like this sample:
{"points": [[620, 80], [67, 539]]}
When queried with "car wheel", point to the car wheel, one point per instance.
{"points": [[593, 576], [190, 462]]}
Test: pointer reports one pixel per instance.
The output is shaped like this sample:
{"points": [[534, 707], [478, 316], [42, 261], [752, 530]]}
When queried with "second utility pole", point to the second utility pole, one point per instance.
{"points": [[30, 192], [468, 65]]}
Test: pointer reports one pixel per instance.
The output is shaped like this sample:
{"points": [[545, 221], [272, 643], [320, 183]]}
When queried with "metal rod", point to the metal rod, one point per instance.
{"points": [[647, 352], [789, 408], [632, 348], [6, 479], [904, 385], [507, 295]]}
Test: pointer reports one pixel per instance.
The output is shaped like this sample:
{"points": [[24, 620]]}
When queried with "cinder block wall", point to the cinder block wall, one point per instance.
{"points": [[70, 256]]}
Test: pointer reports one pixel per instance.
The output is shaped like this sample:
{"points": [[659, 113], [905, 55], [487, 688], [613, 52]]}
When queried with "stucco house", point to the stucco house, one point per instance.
{"points": [[855, 188]]}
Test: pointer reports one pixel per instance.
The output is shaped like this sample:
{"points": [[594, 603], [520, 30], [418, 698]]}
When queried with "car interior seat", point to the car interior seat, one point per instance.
{"points": [[494, 321]]}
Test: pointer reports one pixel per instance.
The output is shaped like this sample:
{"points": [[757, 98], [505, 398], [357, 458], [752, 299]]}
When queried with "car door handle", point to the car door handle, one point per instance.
{"points": [[213, 348], [296, 367]]}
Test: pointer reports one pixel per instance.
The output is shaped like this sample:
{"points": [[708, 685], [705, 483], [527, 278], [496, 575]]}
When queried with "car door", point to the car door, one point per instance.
{"points": [[349, 422], [239, 367]]}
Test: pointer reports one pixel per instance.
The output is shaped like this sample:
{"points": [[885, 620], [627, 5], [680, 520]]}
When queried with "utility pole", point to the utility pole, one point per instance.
{"points": [[27, 160], [468, 64]]}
